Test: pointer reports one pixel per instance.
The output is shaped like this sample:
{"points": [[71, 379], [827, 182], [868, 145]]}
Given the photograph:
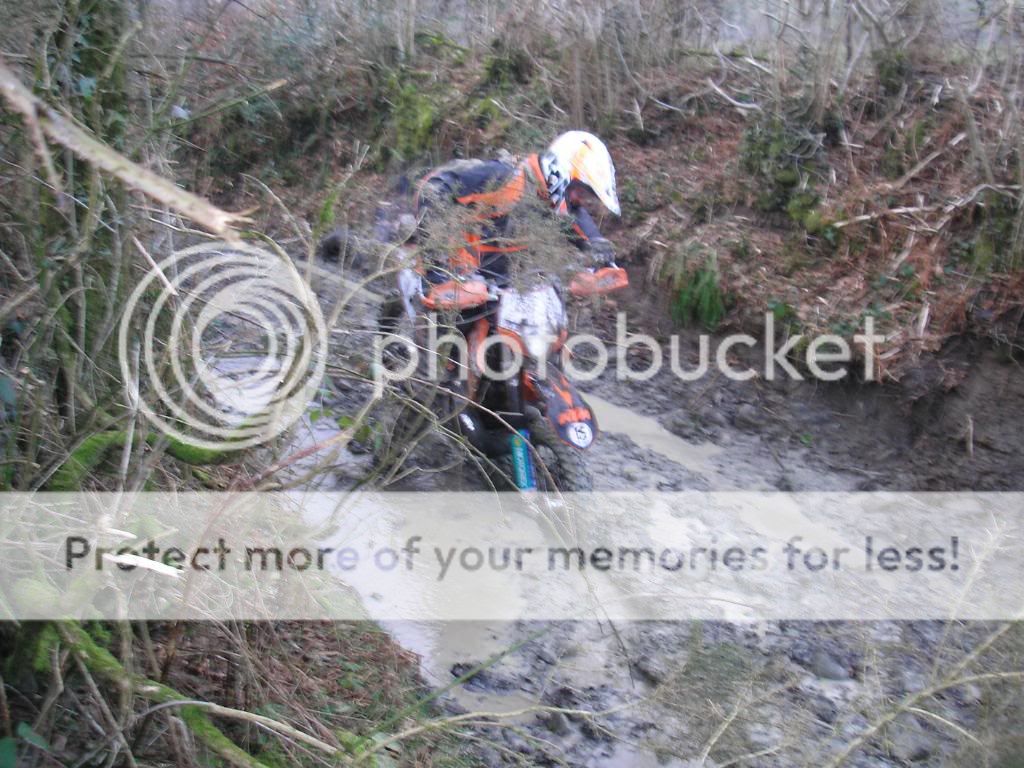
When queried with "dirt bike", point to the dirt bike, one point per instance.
{"points": [[527, 420]]}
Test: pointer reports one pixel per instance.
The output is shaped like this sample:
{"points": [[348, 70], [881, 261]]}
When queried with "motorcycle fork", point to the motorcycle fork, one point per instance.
{"points": [[519, 440], [514, 415]]}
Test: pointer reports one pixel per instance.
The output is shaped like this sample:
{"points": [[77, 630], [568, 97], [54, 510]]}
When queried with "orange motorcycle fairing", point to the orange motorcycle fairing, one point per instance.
{"points": [[456, 295], [598, 283]]}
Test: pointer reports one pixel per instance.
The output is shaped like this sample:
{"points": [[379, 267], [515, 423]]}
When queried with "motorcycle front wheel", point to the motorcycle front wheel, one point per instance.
{"points": [[557, 466]]}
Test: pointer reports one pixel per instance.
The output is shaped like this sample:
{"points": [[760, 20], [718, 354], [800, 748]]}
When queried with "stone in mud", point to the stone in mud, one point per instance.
{"points": [[747, 417], [664, 484], [518, 743], [763, 736], [489, 757], [452, 707], [913, 678], [632, 472], [828, 667], [971, 694], [853, 727], [824, 709], [687, 424], [483, 680], [563, 697], [908, 742], [591, 731], [713, 417], [547, 656], [557, 723], [651, 668]]}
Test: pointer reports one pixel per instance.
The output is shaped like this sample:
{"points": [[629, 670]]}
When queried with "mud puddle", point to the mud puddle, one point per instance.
{"points": [[525, 667], [648, 433], [639, 674]]}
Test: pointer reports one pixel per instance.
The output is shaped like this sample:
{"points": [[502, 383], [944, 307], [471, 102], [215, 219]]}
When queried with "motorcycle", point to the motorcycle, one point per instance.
{"points": [[504, 392]]}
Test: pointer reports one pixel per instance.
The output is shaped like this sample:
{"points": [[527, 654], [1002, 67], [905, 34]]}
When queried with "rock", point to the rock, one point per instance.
{"points": [[631, 472], [826, 666], [517, 742], [853, 727], [763, 735], [592, 732], [557, 723], [972, 694], [452, 707], [747, 417], [713, 417], [679, 421], [784, 483], [908, 742], [564, 697], [489, 757], [650, 668], [484, 680], [824, 709], [913, 679], [547, 656]]}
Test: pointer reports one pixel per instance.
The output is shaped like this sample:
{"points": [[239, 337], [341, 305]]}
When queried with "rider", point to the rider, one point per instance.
{"points": [[575, 163]]}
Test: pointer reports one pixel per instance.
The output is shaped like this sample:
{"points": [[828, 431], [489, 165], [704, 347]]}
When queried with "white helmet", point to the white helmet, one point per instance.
{"points": [[580, 156]]}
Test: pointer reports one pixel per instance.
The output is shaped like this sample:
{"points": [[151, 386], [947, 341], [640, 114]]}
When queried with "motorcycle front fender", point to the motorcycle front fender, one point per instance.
{"points": [[565, 408]]}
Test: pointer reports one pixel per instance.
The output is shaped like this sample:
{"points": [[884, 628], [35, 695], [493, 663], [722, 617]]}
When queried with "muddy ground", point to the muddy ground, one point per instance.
{"points": [[792, 692]]}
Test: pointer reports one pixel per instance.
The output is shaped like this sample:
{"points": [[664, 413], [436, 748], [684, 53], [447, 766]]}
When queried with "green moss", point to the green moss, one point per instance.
{"points": [[800, 205], [833, 125], [84, 460], [507, 65], [892, 68], [787, 177], [415, 118], [772, 154], [42, 652], [102, 663], [814, 222], [983, 252], [916, 137], [484, 111], [88, 457], [893, 165], [436, 43], [996, 244]]}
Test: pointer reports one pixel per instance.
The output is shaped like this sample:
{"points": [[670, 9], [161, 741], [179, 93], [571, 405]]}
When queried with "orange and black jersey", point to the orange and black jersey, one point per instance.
{"points": [[492, 189]]}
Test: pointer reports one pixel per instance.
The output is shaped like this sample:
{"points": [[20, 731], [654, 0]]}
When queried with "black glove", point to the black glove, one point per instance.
{"points": [[602, 251]]}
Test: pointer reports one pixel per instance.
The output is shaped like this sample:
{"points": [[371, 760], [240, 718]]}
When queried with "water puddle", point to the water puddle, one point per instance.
{"points": [[581, 655], [648, 433]]}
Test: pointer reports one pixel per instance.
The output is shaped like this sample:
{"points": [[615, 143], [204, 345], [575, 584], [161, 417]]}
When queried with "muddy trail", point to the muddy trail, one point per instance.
{"points": [[791, 693]]}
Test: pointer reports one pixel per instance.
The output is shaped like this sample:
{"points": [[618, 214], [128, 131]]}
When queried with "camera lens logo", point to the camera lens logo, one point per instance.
{"points": [[233, 345]]}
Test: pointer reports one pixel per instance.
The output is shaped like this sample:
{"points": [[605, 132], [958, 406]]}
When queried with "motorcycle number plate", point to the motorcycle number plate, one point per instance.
{"points": [[580, 434], [539, 309]]}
